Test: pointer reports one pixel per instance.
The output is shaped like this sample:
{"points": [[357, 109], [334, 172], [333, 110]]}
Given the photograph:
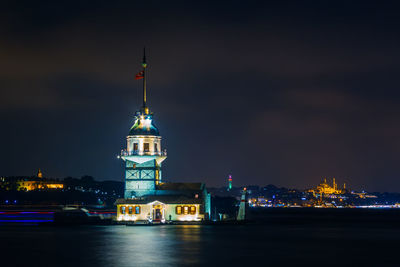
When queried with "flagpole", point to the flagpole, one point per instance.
{"points": [[144, 65]]}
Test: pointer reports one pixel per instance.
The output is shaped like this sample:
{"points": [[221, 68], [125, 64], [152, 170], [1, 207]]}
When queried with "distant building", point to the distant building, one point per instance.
{"points": [[39, 174], [38, 182], [147, 197], [325, 189], [30, 183], [363, 194]]}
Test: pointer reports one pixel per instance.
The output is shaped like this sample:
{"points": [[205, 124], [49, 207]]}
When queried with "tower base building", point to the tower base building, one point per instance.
{"points": [[170, 202]]}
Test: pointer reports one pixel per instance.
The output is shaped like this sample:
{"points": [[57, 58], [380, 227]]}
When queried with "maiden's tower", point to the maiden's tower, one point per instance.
{"points": [[148, 198]]}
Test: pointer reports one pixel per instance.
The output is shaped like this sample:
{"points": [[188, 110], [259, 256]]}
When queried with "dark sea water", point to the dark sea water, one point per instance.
{"points": [[275, 239]]}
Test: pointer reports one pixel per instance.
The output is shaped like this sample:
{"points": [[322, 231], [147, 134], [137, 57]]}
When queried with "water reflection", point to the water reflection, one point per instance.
{"points": [[189, 233], [186, 245], [152, 246]]}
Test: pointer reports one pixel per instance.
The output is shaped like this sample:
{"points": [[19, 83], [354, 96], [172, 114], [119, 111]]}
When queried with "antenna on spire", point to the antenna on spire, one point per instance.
{"points": [[144, 58]]}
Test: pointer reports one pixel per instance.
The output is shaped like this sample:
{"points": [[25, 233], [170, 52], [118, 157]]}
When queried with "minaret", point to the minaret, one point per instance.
{"points": [[143, 155], [230, 183]]}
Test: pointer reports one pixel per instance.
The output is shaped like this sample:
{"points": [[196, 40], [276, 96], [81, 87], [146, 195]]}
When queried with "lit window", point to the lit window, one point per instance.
{"points": [[193, 210], [137, 210], [186, 210], [146, 147], [130, 210], [178, 210], [122, 209]]}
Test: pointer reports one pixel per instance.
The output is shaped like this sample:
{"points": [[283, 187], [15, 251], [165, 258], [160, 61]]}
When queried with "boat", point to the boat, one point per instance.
{"points": [[78, 216]]}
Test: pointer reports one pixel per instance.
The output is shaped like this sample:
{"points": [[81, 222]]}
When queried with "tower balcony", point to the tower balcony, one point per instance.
{"points": [[127, 153]]}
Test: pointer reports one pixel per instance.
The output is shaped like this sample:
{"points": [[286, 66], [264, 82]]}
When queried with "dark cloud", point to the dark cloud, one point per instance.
{"points": [[276, 92]]}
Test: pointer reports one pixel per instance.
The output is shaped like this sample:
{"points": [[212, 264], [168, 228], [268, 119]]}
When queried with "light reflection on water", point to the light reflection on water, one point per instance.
{"points": [[153, 246], [195, 245]]}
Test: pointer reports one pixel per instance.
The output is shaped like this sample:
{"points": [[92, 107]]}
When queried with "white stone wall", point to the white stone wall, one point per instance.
{"points": [[140, 140], [145, 210], [170, 209]]}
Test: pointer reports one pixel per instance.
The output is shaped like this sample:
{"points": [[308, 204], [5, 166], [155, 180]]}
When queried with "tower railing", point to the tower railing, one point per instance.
{"points": [[125, 153]]}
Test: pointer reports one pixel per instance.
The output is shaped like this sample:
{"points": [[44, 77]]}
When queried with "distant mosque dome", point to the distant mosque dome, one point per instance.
{"points": [[39, 174], [144, 125]]}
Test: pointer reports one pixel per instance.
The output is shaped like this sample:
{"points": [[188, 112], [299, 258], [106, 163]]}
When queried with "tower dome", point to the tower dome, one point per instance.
{"points": [[144, 125]]}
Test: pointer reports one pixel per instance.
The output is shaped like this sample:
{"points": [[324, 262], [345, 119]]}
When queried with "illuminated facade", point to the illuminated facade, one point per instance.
{"points": [[161, 211], [38, 183], [30, 183], [173, 204], [325, 189], [147, 197]]}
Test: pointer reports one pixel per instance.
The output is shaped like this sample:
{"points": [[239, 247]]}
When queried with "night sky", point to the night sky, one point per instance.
{"points": [[282, 93]]}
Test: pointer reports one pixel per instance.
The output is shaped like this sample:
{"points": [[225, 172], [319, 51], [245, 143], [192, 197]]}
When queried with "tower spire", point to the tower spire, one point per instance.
{"points": [[144, 65]]}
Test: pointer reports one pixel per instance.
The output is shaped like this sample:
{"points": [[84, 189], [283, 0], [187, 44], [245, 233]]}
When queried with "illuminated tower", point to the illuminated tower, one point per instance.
{"points": [[242, 206], [230, 183], [143, 155]]}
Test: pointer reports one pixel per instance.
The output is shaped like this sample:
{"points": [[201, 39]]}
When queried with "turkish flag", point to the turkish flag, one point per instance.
{"points": [[140, 75]]}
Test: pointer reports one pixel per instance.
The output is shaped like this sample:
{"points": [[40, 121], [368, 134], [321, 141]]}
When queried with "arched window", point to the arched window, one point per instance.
{"points": [[193, 210], [146, 147], [130, 209], [137, 210], [123, 209], [178, 210], [185, 210]]}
